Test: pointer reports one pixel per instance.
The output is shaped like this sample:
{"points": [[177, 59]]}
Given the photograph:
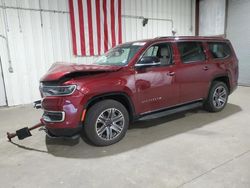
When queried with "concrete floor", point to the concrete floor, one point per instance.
{"points": [[194, 149]]}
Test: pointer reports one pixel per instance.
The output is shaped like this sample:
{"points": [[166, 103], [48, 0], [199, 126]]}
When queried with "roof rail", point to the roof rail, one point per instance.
{"points": [[193, 37], [162, 37], [223, 36]]}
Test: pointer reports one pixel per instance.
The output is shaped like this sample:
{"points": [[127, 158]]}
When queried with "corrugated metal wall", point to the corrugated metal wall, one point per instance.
{"points": [[2, 92], [37, 39], [212, 17], [238, 29]]}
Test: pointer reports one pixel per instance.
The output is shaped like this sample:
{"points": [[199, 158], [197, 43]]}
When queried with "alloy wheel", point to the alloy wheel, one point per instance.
{"points": [[109, 124], [219, 97]]}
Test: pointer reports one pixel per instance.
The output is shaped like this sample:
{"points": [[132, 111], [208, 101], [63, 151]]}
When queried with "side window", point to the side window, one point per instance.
{"points": [[219, 50], [161, 51], [191, 51], [152, 51]]}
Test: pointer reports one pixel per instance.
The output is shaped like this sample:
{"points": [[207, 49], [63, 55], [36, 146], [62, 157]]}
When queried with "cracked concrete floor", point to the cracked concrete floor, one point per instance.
{"points": [[193, 149]]}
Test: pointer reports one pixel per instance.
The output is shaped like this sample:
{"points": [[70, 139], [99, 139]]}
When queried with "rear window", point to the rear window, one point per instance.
{"points": [[191, 51], [219, 50]]}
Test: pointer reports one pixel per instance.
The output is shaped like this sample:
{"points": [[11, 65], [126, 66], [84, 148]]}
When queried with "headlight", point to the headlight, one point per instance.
{"points": [[57, 90]]}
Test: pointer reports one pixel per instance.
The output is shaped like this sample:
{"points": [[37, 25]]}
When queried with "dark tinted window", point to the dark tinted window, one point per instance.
{"points": [[191, 51], [219, 50]]}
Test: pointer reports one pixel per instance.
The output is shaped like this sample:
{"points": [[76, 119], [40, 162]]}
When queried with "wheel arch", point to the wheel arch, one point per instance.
{"points": [[121, 97], [222, 78]]}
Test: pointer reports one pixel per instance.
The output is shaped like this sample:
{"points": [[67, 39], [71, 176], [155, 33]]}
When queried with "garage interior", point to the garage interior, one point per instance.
{"points": [[191, 149]]}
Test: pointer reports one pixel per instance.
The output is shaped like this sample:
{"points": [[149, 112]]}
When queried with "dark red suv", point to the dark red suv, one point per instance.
{"points": [[137, 81]]}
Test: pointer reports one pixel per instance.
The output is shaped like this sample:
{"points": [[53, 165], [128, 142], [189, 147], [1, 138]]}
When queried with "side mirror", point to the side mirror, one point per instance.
{"points": [[148, 61]]}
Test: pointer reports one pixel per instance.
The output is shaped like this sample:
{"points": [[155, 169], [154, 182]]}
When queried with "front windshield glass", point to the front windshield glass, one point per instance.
{"points": [[120, 55]]}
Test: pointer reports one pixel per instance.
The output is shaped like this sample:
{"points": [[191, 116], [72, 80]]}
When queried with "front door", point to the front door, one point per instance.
{"points": [[156, 86]]}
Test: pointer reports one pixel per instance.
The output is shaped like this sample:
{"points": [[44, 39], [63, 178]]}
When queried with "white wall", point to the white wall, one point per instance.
{"points": [[238, 29], [34, 48], [212, 17], [2, 93]]}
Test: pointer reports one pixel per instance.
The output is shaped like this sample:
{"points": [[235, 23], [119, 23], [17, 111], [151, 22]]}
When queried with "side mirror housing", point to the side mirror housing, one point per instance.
{"points": [[148, 61]]}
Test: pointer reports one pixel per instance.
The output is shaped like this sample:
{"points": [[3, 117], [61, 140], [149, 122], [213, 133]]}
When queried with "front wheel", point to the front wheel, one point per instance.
{"points": [[106, 122], [217, 98]]}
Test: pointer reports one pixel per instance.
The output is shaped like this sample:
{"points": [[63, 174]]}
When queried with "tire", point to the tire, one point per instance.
{"points": [[217, 97], [106, 122]]}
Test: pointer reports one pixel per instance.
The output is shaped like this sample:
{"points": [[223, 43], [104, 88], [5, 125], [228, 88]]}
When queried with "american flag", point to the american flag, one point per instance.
{"points": [[96, 25]]}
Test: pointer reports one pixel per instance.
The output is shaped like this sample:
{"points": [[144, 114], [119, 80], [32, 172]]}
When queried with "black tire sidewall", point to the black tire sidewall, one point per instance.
{"points": [[92, 115]]}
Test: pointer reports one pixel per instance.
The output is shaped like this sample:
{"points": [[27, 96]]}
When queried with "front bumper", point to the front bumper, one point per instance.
{"points": [[63, 133], [62, 114]]}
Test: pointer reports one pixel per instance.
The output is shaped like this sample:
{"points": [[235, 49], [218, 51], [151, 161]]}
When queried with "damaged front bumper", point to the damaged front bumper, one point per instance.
{"points": [[72, 134], [61, 116]]}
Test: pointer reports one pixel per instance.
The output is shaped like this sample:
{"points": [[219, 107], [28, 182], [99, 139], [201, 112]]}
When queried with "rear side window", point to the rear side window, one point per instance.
{"points": [[191, 51], [219, 50]]}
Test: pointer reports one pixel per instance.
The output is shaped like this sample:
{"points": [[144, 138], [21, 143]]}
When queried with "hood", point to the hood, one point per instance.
{"points": [[60, 70]]}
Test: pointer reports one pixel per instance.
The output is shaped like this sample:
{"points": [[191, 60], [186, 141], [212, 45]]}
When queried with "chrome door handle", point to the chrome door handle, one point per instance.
{"points": [[205, 68], [171, 73]]}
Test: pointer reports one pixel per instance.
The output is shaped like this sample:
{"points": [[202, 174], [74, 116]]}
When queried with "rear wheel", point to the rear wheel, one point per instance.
{"points": [[217, 98], [106, 122]]}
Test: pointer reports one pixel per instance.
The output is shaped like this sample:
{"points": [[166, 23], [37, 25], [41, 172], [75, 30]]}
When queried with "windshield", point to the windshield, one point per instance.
{"points": [[120, 55]]}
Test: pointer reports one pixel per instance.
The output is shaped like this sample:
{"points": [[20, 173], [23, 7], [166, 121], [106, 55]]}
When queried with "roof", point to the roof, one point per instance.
{"points": [[179, 38], [175, 38], [192, 37]]}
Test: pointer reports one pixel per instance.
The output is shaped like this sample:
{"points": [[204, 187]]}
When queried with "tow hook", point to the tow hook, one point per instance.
{"points": [[42, 129], [37, 104], [24, 132]]}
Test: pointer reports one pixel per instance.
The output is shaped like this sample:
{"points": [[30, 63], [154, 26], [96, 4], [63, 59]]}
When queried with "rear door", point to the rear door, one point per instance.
{"points": [[222, 60], [193, 71]]}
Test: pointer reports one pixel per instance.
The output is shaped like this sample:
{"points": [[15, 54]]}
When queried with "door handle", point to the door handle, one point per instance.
{"points": [[205, 68], [171, 73]]}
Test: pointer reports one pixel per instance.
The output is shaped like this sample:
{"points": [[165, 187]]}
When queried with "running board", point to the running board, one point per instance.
{"points": [[170, 111]]}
